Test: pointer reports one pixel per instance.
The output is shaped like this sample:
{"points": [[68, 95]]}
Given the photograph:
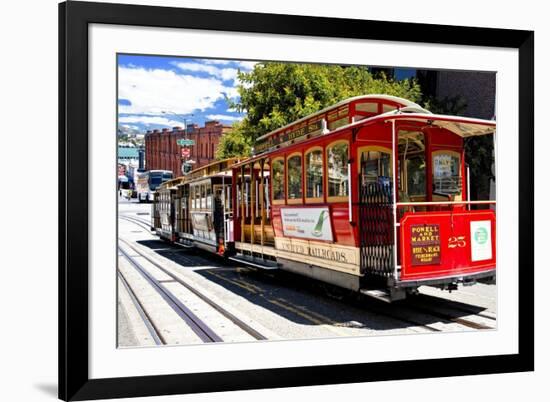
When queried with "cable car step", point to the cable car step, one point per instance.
{"points": [[255, 262], [389, 295], [185, 243], [380, 294]]}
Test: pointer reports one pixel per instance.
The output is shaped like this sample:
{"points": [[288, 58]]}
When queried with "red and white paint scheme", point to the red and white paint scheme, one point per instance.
{"points": [[370, 194]]}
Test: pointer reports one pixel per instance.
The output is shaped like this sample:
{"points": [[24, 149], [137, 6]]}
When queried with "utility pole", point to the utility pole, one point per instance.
{"points": [[184, 143]]}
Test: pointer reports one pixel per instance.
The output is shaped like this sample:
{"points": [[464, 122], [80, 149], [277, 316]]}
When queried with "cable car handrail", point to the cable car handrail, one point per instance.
{"points": [[420, 203]]}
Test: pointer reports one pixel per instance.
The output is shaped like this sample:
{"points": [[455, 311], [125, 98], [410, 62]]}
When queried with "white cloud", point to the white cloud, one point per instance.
{"points": [[247, 65], [225, 74], [217, 61], [244, 65], [130, 126], [223, 117], [161, 121], [154, 91]]}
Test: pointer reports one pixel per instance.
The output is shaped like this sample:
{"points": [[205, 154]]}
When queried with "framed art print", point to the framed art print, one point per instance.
{"points": [[259, 201]]}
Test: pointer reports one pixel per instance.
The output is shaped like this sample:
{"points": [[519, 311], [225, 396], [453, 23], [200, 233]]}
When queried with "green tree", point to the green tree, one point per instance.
{"points": [[455, 105], [275, 94], [234, 143]]}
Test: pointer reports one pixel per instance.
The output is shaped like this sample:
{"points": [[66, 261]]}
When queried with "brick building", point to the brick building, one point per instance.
{"points": [[476, 88], [162, 151]]}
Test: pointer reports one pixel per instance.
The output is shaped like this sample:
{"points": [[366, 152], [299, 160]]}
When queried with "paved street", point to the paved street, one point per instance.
{"points": [[239, 304]]}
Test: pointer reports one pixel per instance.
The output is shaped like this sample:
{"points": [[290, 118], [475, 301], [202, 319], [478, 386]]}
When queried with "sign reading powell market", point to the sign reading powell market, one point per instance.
{"points": [[425, 244]]}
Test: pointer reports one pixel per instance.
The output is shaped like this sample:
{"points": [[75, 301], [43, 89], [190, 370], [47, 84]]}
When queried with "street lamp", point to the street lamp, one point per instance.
{"points": [[182, 117]]}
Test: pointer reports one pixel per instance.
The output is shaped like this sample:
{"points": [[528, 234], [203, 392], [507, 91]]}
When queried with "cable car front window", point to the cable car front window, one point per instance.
{"points": [[446, 174], [416, 175], [412, 166]]}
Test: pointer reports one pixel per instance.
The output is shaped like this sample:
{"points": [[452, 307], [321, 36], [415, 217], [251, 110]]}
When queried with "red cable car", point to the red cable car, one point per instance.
{"points": [[371, 194]]}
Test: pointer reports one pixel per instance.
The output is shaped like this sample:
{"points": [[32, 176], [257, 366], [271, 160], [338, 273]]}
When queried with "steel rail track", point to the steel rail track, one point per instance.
{"points": [[447, 317], [153, 330], [235, 320], [457, 305], [137, 221], [200, 328], [145, 222]]}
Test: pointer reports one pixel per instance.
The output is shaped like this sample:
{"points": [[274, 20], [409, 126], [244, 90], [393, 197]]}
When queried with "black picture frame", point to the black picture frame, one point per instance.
{"points": [[74, 18]]}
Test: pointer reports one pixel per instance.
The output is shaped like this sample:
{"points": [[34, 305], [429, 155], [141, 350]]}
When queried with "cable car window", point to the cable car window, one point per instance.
{"points": [[197, 197], [267, 181], [446, 173], [294, 178], [337, 169], [278, 173], [416, 175], [367, 107], [333, 125], [203, 196], [388, 108], [208, 195], [314, 174], [412, 178], [228, 199], [376, 165]]}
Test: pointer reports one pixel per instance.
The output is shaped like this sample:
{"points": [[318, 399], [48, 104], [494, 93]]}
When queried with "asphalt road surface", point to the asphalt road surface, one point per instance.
{"points": [[276, 305]]}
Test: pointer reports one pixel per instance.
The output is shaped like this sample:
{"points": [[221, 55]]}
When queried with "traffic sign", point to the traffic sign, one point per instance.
{"points": [[183, 142], [186, 168], [185, 152]]}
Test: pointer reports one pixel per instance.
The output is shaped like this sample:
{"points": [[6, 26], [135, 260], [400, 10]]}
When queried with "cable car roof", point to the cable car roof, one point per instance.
{"points": [[461, 126], [171, 184], [396, 99]]}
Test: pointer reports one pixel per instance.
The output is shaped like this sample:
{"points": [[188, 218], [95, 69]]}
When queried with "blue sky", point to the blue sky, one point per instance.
{"points": [[157, 91]]}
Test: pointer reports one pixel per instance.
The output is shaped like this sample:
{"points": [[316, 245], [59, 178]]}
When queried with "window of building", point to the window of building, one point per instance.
{"points": [[337, 171], [314, 175], [278, 177], [294, 178]]}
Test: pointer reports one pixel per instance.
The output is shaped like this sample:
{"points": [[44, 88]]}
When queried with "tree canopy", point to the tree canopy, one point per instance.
{"points": [[275, 94]]}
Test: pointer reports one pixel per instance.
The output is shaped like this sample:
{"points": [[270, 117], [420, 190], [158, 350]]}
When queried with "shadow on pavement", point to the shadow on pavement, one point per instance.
{"points": [[305, 301]]}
